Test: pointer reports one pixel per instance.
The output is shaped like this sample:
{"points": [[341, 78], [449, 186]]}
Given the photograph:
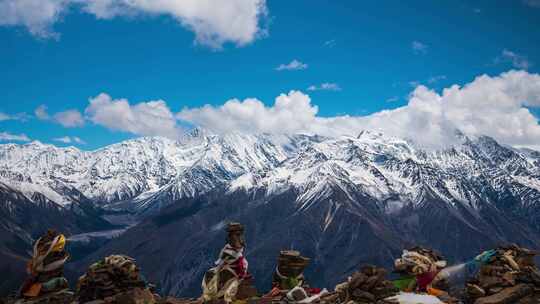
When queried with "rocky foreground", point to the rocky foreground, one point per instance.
{"points": [[507, 275]]}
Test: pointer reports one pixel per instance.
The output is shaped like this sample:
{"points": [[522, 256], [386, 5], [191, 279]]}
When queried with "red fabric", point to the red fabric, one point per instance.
{"points": [[313, 291], [240, 267], [423, 280]]}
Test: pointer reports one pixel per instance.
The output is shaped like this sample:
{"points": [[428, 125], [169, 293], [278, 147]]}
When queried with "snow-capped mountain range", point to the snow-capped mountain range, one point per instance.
{"points": [[146, 174], [341, 200]]}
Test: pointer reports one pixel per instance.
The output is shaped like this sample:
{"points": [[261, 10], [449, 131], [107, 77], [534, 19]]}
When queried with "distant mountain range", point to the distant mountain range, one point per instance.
{"points": [[343, 201]]}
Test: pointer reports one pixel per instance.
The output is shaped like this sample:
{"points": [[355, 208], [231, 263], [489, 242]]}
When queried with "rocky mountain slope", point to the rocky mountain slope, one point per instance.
{"points": [[26, 218], [343, 201]]}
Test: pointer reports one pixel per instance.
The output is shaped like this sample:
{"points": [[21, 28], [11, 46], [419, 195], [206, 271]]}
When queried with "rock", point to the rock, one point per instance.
{"points": [[475, 290], [361, 295], [114, 275], [60, 297], [365, 286], [508, 295], [357, 279], [171, 300], [246, 290], [509, 267], [135, 296], [487, 282]]}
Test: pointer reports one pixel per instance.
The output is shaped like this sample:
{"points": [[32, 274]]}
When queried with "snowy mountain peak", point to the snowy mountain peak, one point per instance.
{"points": [[153, 171]]}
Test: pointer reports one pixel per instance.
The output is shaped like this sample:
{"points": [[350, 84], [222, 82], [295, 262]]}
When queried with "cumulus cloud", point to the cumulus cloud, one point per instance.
{"points": [[290, 113], [292, 66], [69, 140], [493, 106], [5, 136], [419, 47], [516, 60], [37, 16], [214, 22], [325, 86], [69, 118], [144, 118]]}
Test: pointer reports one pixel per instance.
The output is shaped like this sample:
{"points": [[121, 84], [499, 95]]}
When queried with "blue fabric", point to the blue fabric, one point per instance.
{"points": [[485, 256]]}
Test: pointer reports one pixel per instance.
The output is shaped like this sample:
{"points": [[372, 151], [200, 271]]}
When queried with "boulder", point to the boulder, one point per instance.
{"points": [[508, 295]]}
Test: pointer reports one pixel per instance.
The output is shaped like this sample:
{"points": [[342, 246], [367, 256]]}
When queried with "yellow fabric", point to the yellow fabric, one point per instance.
{"points": [[33, 291], [59, 246]]}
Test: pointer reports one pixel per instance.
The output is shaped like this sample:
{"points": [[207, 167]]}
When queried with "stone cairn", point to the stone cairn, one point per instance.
{"points": [[290, 270], [368, 285], [431, 262], [509, 276], [46, 282], [434, 257], [114, 279]]}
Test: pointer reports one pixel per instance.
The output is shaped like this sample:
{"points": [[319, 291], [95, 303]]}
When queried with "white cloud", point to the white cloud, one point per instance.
{"points": [[517, 61], [214, 22], [68, 140], [78, 140], [419, 47], [292, 66], [435, 79], [65, 139], [37, 16], [69, 118], [290, 113], [326, 86], [18, 116], [5, 136], [145, 118], [41, 112], [4, 116], [493, 106], [330, 43]]}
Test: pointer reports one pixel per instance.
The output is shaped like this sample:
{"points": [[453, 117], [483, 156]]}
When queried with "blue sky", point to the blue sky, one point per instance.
{"points": [[358, 57]]}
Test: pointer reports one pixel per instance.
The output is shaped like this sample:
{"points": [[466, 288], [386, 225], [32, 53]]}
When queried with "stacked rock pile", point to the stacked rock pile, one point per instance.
{"points": [[365, 286], [111, 277], [509, 276]]}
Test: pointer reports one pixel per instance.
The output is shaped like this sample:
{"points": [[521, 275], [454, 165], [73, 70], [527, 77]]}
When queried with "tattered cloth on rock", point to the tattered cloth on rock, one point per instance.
{"points": [[223, 280], [424, 264], [46, 268]]}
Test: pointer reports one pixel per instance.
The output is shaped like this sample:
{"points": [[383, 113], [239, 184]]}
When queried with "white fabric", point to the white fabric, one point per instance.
{"points": [[413, 298], [228, 249], [229, 290], [37, 261]]}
